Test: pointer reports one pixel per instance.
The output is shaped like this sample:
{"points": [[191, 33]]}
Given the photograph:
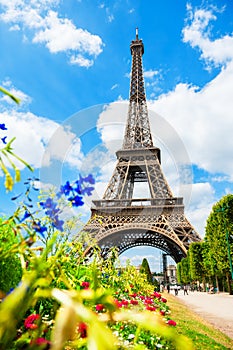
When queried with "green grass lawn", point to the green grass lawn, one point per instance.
{"points": [[203, 335]]}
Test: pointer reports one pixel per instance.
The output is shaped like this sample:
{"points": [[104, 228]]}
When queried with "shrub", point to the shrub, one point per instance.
{"points": [[10, 265]]}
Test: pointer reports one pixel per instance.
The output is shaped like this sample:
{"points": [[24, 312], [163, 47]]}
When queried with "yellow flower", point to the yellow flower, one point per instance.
{"points": [[9, 182]]}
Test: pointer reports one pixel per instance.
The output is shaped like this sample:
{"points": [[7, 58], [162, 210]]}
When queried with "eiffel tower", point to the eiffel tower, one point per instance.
{"points": [[119, 220]]}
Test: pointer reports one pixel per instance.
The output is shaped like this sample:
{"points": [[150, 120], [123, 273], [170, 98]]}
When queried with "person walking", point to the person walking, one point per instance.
{"points": [[185, 290], [176, 290]]}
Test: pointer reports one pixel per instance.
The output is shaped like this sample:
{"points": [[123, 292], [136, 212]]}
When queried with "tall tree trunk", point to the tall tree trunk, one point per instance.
{"points": [[229, 284], [217, 284], [204, 283]]}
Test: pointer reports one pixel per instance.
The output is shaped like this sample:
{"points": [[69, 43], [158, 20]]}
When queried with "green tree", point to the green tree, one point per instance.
{"points": [[178, 273], [218, 235], [10, 265], [145, 268], [184, 271], [197, 263]]}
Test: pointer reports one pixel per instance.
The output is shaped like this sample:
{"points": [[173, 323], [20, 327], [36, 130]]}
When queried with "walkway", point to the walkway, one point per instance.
{"points": [[216, 308]]}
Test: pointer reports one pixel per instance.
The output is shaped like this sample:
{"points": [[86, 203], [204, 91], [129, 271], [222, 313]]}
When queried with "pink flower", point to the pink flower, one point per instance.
{"points": [[171, 323], [99, 307], [85, 285], [82, 328], [29, 321]]}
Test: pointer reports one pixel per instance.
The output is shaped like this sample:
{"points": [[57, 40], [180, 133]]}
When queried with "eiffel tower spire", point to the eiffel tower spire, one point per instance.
{"points": [[122, 221], [137, 132]]}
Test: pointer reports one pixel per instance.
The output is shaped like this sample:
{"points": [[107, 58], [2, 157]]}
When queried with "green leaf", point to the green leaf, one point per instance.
{"points": [[6, 92]]}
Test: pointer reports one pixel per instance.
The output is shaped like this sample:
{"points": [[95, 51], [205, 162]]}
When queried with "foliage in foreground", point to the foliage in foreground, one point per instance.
{"points": [[66, 302]]}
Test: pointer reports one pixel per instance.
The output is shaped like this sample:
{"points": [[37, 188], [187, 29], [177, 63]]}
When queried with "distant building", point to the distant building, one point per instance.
{"points": [[171, 274]]}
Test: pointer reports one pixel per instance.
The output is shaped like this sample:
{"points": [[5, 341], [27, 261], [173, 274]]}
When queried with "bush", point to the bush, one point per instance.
{"points": [[10, 265]]}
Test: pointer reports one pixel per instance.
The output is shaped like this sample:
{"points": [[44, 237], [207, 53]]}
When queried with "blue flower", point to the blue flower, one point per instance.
{"points": [[26, 215], [49, 203], [3, 127], [78, 188], [51, 207], [66, 189], [76, 201], [39, 229], [90, 179], [58, 224], [87, 190], [4, 140]]}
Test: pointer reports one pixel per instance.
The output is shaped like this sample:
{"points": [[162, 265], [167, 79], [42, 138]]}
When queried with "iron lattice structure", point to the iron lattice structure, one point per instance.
{"points": [[122, 221]]}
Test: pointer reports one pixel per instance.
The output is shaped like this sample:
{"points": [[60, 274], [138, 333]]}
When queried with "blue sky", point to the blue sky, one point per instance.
{"points": [[69, 62]]}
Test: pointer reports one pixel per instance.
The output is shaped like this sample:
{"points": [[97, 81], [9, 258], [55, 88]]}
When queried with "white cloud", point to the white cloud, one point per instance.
{"points": [[38, 140], [81, 61], [199, 204], [203, 118], [34, 137], [151, 73], [31, 133], [111, 125], [197, 34], [58, 34]]}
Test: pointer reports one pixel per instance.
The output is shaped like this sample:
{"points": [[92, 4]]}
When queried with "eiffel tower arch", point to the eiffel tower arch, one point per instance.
{"points": [[122, 221]]}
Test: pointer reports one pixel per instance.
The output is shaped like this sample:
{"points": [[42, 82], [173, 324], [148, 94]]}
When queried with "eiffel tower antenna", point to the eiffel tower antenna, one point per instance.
{"points": [[122, 221]]}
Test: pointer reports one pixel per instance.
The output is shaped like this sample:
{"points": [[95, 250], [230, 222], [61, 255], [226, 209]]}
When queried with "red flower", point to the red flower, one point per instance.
{"points": [[99, 307], [157, 295], [29, 321], [125, 302], [164, 300], [171, 323], [133, 295], [40, 341], [118, 303], [134, 302], [85, 285], [162, 312], [148, 301], [151, 308], [82, 328]]}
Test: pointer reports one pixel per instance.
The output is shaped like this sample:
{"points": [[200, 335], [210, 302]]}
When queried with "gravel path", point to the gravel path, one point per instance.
{"points": [[216, 308]]}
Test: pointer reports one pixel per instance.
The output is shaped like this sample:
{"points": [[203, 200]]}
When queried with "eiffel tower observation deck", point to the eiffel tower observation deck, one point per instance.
{"points": [[122, 221]]}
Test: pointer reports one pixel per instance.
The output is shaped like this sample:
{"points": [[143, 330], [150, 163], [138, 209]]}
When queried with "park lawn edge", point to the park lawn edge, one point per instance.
{"points": [[202, 333]]}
